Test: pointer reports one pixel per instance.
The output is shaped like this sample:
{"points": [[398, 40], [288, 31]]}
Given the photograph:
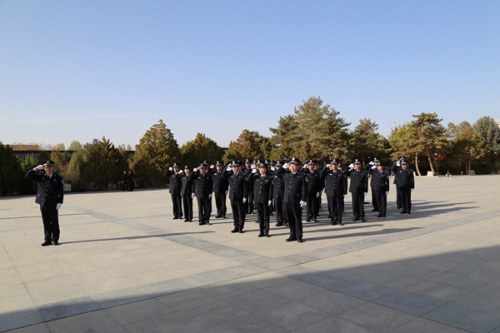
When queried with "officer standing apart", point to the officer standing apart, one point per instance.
{"points": [[175, 187], [237, 195], [295, 196], [49, 195], [359, 189], [405, 184], [335, 189], [263, 197], [203, 187]]}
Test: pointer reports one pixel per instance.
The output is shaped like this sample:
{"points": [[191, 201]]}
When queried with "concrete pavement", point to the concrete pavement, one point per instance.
{"points": [[124, 265]]}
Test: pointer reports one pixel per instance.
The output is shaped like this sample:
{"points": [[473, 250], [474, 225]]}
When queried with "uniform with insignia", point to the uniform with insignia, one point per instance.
{"points": [[175, 189], [49, 195], [380, 188], [278, 191], [358, 187], [203, 187], [220, 189], [237, 195], [263, 196], [335, 189], [186, 194], [313, 191], [405, 184]]}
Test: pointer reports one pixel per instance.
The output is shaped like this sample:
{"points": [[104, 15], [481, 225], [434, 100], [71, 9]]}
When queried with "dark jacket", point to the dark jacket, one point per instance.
{"points": [[50, 190], [359, 181], [175, 181], [262, 188], [335, 182], [295, 185], [203, 185]]}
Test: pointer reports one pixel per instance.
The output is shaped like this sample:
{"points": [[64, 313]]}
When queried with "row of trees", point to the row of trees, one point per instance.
{"points": [[314, 130]]}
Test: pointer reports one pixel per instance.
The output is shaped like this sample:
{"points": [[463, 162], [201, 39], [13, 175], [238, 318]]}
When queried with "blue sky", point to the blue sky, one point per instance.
{"points": [[79, 70]]}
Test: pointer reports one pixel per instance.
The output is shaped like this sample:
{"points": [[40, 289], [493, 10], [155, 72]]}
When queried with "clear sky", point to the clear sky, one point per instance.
{"points": [[84, 69]]}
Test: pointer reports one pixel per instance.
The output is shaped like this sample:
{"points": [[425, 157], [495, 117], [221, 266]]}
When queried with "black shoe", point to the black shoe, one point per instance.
{"points": [[176, 218], [234, 230], [300, 240], [56, 242], [186, 220], [363, 220], [341, 223], [279, 224], [403, 212], [379, 215], [399, 207], [261, 235], [291, 239], [374, 210], [218, 216], [355, 219], [267, 235], [308, 220], [334, 223], [408, 212], [241, 231], [202, 223], [208, 222], [46, 243]]}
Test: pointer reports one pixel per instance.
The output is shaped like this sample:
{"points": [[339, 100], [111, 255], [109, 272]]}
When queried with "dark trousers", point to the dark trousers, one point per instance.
{"points": [[50, 218], [294, 217], [204, 210], [187, 202], [278, 205], [312, 207], [335, 208], [176, 204], [220, 203], [264, 212], [381, 202], [406, 199], [239, 213], [358, 200], [250, 204], [398, 197], [374, 199]]}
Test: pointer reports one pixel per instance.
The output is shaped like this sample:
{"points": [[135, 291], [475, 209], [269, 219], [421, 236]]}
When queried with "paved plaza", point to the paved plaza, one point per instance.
{"points": [[124, 265]]}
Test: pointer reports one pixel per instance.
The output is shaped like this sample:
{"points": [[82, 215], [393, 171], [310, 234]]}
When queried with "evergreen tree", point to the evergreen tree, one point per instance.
{"points": [[199, 150]]}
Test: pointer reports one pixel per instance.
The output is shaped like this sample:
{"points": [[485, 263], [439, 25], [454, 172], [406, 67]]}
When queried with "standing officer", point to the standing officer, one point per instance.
{"points": [[313, 191], [263, 196], [237, 195], [175, 189], [187, 194], [49, 195], [278, 192], [380, 188], [249, 166], [220, 189], [335, 189], [405, 184], [395, 170], [371, 168], [203, 187], [358, 188], [295, 196]]}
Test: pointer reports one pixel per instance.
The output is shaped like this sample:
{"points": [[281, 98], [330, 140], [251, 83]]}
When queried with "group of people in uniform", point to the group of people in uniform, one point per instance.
{"points": [[270, 188], [285, 190]]}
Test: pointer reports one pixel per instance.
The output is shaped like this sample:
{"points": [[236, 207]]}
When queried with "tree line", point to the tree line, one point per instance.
{"points": [[314, 130]]}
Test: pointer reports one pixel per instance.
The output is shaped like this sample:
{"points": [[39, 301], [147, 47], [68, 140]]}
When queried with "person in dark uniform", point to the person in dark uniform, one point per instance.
{"points": [[335, 189], [187, 194], [321, 188], [295, 196], [49, 195], [125, 180], [405, 184], [175, 174], [313, 190], [131, 181], [380, 188], [203, 187], [249, 166], [395, 171], [358, 188], [341, 168], [278, 192], [220, 189], [263, 196], [371, 168], [237, 195]]}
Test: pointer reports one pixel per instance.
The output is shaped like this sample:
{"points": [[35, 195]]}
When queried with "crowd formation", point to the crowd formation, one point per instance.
{"points": [[269, 188], [285, 190]]}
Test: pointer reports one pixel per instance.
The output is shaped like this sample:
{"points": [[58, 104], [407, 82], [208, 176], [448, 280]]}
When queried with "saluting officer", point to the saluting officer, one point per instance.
{"points": [[263, 196], [187, 194], [220, 189], [335, 189], [237, 195], [405, 184], [203, 187], [49, 195], [175, 174], [380, 188], [358, 188], [295, 196], [371, 168], [313, 191]]}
